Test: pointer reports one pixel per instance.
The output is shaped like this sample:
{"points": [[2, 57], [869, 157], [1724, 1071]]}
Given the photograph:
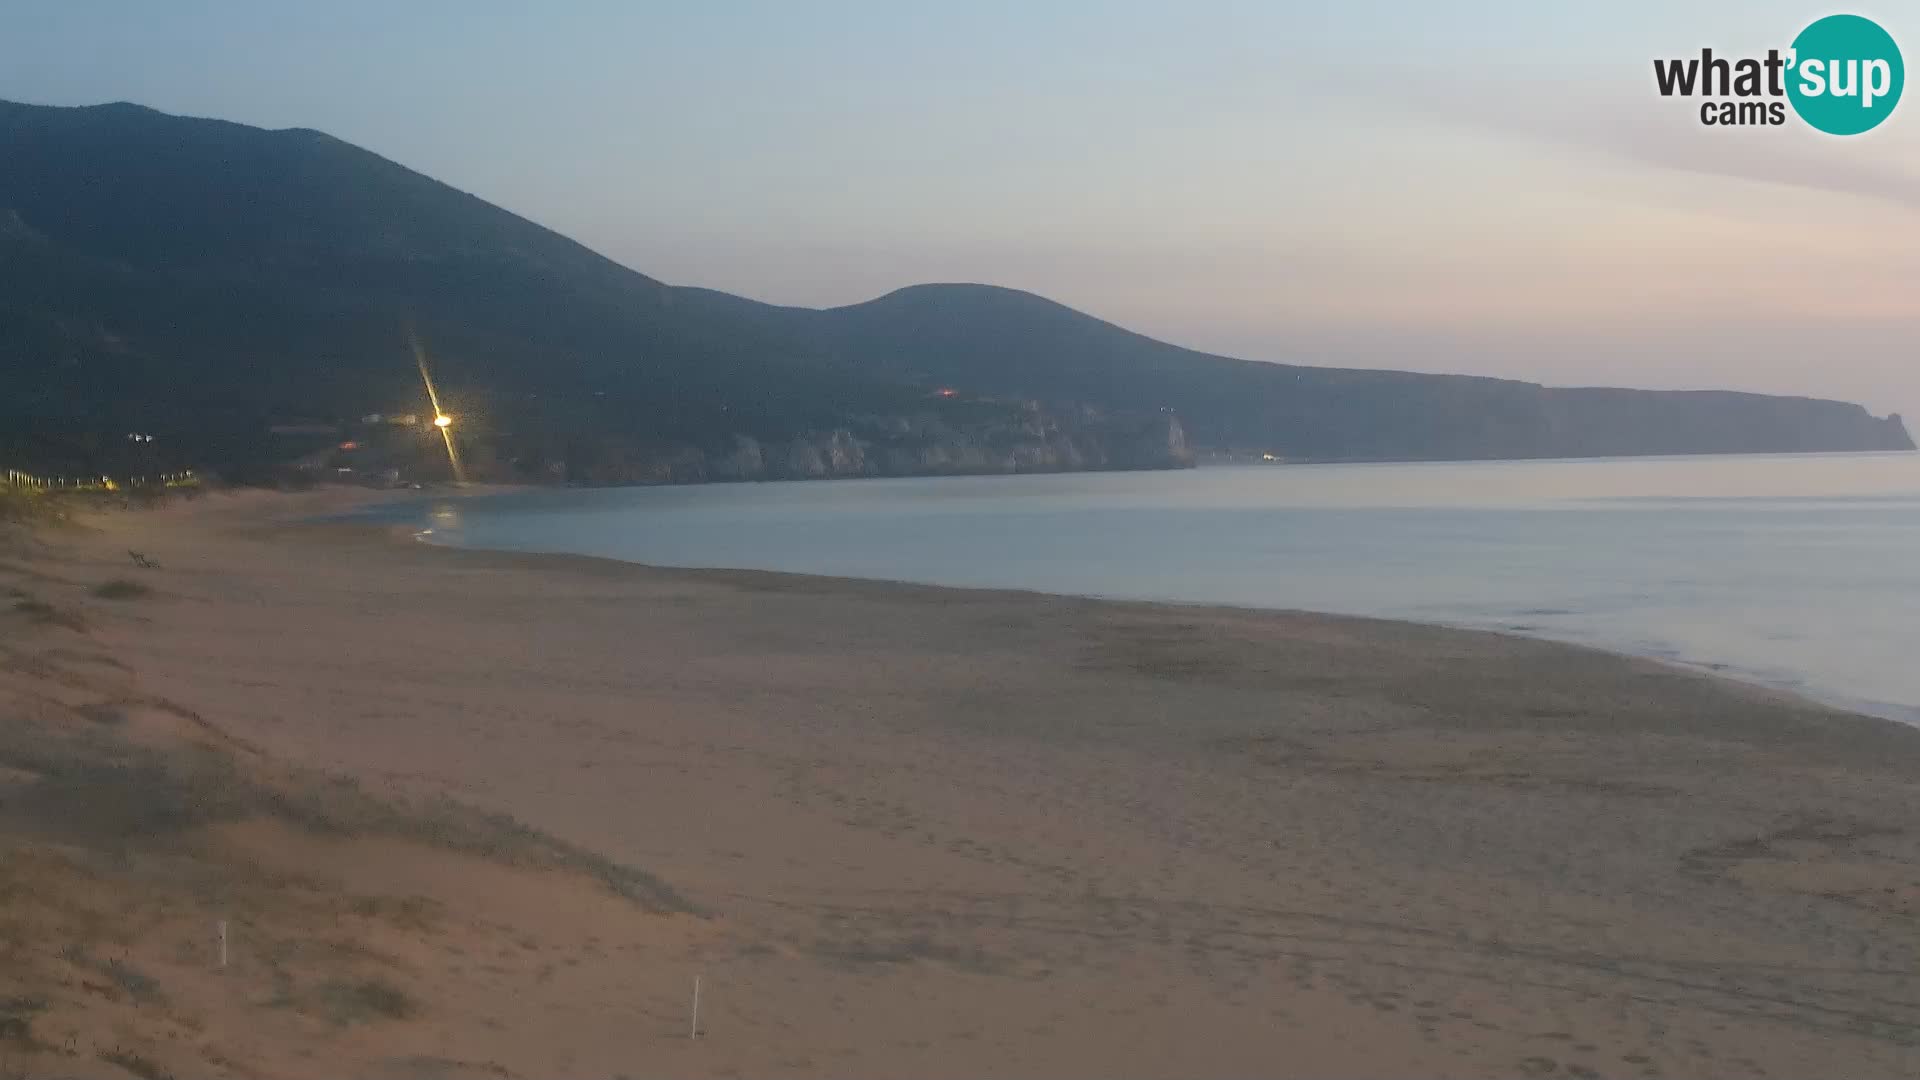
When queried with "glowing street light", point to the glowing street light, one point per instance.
{"points": [[440, 420]]}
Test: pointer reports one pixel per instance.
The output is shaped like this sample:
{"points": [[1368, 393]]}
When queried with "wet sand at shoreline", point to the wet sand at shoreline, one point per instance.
{"points": [[933, 832]]}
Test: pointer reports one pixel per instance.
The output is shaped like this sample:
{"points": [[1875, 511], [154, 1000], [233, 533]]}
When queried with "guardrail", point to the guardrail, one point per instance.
{"points": [[20, 478]]}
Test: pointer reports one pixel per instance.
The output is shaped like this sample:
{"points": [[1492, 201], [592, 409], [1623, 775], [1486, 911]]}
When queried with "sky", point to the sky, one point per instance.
{"points": [[1487, 187]]}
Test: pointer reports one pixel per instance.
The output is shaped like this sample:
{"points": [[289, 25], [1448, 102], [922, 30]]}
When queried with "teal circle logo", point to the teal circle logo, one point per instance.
{"points": [[1846, 75]]}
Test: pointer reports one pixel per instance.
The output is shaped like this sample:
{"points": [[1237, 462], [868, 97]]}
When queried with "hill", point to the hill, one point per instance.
{"points": [[1001, 341], [205, 279], [208, 281]]}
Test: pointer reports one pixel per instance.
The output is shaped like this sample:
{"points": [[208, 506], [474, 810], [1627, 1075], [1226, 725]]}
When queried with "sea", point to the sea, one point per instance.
{"points": [[1800, 572]]}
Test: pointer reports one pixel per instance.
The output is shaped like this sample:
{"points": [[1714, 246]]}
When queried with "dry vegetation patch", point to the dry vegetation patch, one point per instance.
{"points": [[133, 832]]}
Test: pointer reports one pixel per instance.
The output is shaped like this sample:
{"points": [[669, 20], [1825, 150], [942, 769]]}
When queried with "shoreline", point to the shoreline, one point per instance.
{"points": [[956, 832], [1902, 715], [1891, 712], [1907, 715]]}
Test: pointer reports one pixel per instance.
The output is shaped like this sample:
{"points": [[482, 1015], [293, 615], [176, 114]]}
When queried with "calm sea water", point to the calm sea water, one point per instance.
{"points": [[1798, 571]]}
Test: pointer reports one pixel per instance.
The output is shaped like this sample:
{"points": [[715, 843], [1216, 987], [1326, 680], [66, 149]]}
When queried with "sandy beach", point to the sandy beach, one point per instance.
{"points": [[478, 814]]}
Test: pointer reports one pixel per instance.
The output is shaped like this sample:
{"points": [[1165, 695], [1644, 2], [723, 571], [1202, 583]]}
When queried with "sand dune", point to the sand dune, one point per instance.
{"points": [[918, 831]]}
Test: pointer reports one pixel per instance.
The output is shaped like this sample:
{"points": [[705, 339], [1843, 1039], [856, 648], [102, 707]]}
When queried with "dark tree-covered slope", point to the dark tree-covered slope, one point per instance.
{"points": [[204, 279], [1003, 341]]}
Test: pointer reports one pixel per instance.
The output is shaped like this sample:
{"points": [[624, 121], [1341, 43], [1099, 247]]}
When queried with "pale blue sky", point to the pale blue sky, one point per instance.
{"points": [[1493, 187]]}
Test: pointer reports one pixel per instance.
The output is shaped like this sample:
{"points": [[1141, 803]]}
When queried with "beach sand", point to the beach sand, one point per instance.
{"points": [[899, 831]]}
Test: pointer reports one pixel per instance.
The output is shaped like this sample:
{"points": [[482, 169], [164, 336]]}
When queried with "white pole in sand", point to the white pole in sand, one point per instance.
{"points": [[223, 943], [694, 1031]]}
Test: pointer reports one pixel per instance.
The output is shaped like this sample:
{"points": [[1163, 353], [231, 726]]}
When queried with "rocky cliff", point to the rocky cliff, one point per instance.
{"points": [[1024, 439]]}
